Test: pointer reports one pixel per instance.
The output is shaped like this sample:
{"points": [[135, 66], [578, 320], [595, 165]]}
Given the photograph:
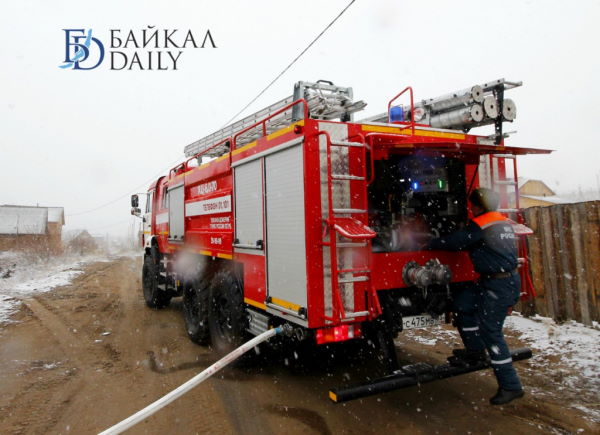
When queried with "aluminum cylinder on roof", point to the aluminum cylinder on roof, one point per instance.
{"points": [[456, 99], [490, 107], [509, 110], [458, 117]]}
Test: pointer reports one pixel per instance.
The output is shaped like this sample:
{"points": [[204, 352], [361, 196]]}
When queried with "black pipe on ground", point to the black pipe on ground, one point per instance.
{"points": [[414, 374]]}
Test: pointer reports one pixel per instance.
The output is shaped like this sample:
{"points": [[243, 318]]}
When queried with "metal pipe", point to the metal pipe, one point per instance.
{"points": [[490, 107], [414, 374], [458, 117], [509, 110], [460, 98]]}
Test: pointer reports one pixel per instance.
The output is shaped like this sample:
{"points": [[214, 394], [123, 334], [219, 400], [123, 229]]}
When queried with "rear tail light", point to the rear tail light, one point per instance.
{"points": [[337, 333]]}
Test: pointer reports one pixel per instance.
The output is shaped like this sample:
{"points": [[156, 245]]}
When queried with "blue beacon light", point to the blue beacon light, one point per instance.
{"points": [[415, 185]]}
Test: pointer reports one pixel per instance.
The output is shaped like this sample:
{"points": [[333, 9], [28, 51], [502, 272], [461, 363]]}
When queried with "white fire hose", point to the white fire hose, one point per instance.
{"points": [[200, 377]]}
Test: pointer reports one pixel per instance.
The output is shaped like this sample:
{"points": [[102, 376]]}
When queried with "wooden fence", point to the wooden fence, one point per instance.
{"points": [[564, 255]]}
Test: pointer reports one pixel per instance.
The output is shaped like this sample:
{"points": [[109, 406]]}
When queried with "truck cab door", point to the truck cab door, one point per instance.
{"points": [[147, 220]]}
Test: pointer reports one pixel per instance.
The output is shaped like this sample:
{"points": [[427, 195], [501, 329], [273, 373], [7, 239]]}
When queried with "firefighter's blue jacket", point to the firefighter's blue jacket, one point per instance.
{"points": [[490, 240]]}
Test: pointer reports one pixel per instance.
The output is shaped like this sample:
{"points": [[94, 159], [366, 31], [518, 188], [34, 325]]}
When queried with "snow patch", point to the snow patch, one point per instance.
{"points": [[576, 344], [23, 275], [567, 354], [432, 335]]}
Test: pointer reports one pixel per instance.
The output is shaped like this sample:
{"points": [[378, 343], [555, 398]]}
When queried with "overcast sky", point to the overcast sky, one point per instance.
{"points": [[80, 139]]}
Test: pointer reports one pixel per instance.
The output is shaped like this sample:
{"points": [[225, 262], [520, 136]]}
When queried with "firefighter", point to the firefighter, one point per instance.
{"points": [[481, 308]]}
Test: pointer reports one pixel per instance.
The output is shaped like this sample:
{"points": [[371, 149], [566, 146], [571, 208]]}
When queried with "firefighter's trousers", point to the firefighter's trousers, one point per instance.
{"points": [[480, 313]]}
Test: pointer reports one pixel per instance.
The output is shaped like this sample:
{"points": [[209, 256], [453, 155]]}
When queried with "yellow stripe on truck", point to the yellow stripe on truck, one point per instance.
{"points": [[244, 148], [284, 130], [218, 254], [285, 304], [255, 304], [408, 131]]}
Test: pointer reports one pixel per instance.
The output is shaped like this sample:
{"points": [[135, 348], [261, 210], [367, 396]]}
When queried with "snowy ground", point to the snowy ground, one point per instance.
{"points": [[565, 363], [22, 275], [568, 355]]}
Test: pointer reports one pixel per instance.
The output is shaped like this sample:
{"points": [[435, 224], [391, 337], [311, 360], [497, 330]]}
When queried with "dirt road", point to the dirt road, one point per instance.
{"points": [[85, 356]]}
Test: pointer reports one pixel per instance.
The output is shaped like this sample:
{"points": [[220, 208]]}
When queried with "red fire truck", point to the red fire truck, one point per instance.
{"points": [[300, 215]]}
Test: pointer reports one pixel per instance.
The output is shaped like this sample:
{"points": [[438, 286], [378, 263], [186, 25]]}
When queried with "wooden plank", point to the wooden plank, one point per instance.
{"points": [[545, 271], [580, 295], [567, 262], [555, 253], [596, 257], [535, 260], [592, 256], [550, 283]]}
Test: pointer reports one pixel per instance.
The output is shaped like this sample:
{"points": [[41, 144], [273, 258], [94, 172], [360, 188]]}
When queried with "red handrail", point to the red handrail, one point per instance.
{"points": [[369, 148], [174, 169], [206, 150], [264, 121], [412, 108]]}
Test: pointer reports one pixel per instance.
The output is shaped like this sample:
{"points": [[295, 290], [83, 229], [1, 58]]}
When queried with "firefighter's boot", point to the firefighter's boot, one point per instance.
{"points": [[505, 396]]}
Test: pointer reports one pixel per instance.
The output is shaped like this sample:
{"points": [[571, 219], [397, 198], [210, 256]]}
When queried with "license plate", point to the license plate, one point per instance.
{"points": [[420, 321]]}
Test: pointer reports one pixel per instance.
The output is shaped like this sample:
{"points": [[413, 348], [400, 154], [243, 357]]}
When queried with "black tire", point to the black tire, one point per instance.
{"points": [[380, 339], [195, 311], [154, 297], [226, 314]]}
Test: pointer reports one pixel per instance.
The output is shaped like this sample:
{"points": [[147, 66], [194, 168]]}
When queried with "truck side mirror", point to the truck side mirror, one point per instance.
{"points": [[135, 202], [135, 211]]}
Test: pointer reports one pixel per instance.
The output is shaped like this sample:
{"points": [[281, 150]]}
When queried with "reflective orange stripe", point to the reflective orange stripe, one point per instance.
{"points": [[489, 218]]}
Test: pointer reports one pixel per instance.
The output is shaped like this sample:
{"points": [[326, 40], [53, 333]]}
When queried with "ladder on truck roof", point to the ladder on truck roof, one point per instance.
{"points": [[325, 101]]}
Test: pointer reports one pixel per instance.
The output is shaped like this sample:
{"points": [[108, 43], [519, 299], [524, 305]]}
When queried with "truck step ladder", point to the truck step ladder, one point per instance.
{"points": [[349, 224]]}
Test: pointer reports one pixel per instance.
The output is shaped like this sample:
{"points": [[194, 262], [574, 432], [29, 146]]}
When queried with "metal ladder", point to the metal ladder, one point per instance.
{"points": [[324, 100], [497, 168], [500, 181], [342, 221]]}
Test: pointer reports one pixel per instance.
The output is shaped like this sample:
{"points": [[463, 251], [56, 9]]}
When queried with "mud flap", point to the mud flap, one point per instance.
{"points": [[413, 374]]}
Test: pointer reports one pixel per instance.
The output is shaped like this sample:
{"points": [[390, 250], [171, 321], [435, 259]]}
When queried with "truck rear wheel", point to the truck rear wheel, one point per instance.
{"points": [[195, 311], [226, 314], [154, 297]]}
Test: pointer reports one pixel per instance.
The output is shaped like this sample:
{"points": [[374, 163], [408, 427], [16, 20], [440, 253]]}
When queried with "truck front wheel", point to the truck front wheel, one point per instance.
{"points": [[226, 313], [154, 297]]}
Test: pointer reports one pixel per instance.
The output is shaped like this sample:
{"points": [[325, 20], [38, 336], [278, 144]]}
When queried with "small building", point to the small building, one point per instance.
{"points": [[536, 193], [83, 243], [31, 228], [56, 220]]}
